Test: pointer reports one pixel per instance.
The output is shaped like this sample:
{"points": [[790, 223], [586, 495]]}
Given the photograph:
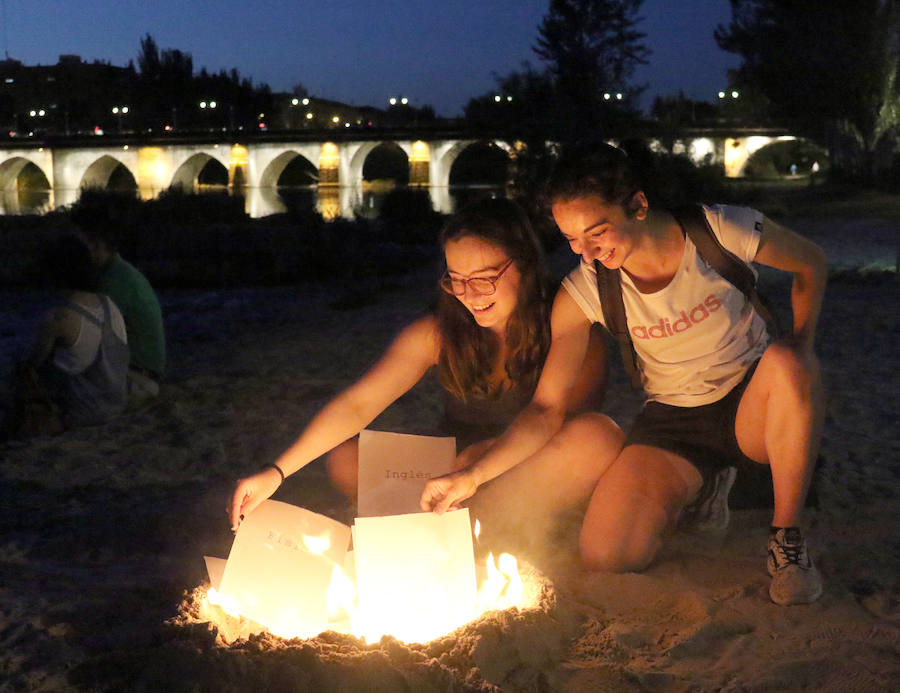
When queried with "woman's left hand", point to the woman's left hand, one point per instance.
{"points": [[447, 492]]}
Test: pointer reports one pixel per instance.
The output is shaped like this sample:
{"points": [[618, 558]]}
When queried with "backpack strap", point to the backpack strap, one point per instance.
{"points": [[609, 288], [83, 312], [693, 220]]}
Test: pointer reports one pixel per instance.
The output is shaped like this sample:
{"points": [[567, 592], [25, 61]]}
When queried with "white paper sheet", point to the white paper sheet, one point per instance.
{"points": [[215, 568], [415, 574], [280, 567], [393, 469]]}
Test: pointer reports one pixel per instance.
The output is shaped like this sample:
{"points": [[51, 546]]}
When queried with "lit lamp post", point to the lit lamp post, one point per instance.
{"points": [[208, 106], [119, 111], [36, 113], [295, 103]]}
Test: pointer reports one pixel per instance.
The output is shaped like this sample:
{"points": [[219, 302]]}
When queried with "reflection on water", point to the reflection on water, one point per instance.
{"points": [[331, 201], [15, 200]]}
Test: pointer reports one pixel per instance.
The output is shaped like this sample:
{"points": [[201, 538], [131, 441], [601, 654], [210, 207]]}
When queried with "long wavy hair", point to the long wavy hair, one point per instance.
{"points": [[469, 351]]}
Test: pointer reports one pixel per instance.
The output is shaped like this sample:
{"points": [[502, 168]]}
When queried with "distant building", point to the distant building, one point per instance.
{"points": [[70, 97], [305, 112]]}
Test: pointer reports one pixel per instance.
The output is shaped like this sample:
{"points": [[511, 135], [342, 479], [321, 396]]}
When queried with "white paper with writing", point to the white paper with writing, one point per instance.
{"points": [[393, 469], [280, 567], [415, 574]]}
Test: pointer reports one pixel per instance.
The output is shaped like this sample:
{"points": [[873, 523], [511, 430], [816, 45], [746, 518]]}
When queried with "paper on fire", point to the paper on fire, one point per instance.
{"points": [[410, 574]]}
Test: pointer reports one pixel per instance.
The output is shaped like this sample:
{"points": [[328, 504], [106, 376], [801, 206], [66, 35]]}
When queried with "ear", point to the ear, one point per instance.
{"points": [[638, 206]]}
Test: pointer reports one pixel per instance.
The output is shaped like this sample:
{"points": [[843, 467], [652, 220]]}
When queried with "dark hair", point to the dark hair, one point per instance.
{"points": [[97, 217], [594, 169], [66, 264], [468, 351]]}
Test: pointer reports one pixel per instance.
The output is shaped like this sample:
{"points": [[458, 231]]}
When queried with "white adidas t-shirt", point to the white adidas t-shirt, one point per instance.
{"points": [[695, 338]]}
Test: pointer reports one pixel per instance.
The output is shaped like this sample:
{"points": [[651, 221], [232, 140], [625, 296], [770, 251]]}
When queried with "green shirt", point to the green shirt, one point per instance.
{"points": [[132, 293]]}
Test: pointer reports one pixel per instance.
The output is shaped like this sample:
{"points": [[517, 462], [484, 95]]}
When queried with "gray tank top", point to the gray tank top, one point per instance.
{"points": [[101, 390]]}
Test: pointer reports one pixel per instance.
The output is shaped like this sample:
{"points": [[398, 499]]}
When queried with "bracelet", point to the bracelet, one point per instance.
{"points": [[277, 469]]}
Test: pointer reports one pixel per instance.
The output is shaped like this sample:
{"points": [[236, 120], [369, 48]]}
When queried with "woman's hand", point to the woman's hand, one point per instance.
{"points": [[250, 492], [447, 492]]}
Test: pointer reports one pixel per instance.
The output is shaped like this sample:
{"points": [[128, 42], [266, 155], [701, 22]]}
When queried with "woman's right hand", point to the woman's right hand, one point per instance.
{"points": [[249, 492]]}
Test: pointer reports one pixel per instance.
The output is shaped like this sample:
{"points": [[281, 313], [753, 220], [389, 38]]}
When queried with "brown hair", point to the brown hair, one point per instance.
{"points": [[468, 351], [594, 169]]}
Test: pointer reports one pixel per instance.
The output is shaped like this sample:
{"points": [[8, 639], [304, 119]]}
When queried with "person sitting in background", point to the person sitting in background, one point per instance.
{"points": [[79, 359], [487, 339], [134, 295]]}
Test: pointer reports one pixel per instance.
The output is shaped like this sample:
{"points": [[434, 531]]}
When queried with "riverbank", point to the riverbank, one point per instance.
{"points": [[103, 529]]}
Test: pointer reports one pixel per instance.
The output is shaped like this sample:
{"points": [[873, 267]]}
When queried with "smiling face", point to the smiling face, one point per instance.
{"points": [[469, 257], [599, 230]]}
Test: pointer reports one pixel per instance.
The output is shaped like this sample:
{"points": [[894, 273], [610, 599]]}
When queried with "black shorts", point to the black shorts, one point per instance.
{"points": [[703, 435]]}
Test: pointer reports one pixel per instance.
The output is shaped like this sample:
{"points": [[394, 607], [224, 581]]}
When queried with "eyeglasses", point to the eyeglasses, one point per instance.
{"points": [[480, 285]]}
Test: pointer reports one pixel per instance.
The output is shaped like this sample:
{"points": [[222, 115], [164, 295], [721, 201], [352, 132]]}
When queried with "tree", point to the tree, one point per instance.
{"points": [[592, 47], [829, 66]]}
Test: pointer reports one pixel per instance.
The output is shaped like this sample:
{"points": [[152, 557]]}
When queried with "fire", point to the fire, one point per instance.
{"points": [[500, 587], [317, 545]]}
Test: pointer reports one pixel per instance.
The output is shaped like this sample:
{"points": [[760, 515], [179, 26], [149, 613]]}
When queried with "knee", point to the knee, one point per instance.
{"points": [[616, 557], [624, 540], [596, 429], [792, 368]]}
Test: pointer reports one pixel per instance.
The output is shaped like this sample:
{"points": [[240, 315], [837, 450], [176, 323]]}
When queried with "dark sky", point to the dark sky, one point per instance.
{"points": [[438, 53]]}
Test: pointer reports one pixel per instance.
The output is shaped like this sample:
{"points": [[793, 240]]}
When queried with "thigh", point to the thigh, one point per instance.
{"points": [[782, 372], [561, 474], [644, 485]]}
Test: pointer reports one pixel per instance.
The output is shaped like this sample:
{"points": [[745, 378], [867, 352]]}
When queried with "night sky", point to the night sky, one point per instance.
{"points": [[438, 53]]}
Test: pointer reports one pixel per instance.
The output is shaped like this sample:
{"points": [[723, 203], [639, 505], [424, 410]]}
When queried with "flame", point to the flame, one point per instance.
{"points": [[501, 588], [226, 602], [317, 545], [341, 597]]}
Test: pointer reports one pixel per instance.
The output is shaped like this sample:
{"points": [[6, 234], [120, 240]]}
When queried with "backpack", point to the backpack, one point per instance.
{"points": [[695, 225]]}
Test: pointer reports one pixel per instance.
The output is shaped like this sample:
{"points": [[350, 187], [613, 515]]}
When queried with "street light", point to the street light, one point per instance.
{"points": [[118, 112]]}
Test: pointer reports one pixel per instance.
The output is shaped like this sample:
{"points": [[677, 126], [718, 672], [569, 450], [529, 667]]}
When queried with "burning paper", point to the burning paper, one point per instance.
{"points": [[393, 469], [281, 565], [215, 568], [415, 575]]}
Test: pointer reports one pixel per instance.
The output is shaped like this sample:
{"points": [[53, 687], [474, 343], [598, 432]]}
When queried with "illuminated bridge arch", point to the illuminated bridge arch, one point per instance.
{"points": [[108, 173], [187, 176], [23, 186]]}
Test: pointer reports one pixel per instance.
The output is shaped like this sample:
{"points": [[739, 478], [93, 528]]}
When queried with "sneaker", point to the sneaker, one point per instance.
{"points": [[795, 580], [709, 514]]}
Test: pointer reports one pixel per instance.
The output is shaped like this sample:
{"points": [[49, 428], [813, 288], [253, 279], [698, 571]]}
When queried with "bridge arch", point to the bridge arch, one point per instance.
{"points": [[187, 175], [385, 161], [24, 186], [108, 173], [776, 158], [738, 151]]}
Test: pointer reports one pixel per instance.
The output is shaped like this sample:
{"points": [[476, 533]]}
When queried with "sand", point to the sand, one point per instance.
{"points": [[103, 530]]}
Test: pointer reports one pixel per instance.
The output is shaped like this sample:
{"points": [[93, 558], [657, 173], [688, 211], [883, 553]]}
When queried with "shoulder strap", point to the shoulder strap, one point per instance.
{"points": [[81, 310], [693, 220], [609, 289]]}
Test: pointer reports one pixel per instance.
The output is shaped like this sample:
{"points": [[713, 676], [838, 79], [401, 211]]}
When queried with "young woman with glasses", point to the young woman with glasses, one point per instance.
{"points": [[719, 392], [487, 338]]}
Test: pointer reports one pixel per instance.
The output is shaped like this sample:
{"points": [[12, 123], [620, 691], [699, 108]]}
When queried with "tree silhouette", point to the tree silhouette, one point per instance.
{"points": [[830, 66], [592, 47]]}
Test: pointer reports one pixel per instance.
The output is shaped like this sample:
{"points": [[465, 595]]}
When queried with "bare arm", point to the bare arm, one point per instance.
{"points": [[53, 330], [589, 389], [783, 249], [407, 359], [537, 423]]}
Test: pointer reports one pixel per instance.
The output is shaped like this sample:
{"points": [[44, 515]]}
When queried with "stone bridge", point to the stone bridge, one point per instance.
{"points": [[256, 164]]}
